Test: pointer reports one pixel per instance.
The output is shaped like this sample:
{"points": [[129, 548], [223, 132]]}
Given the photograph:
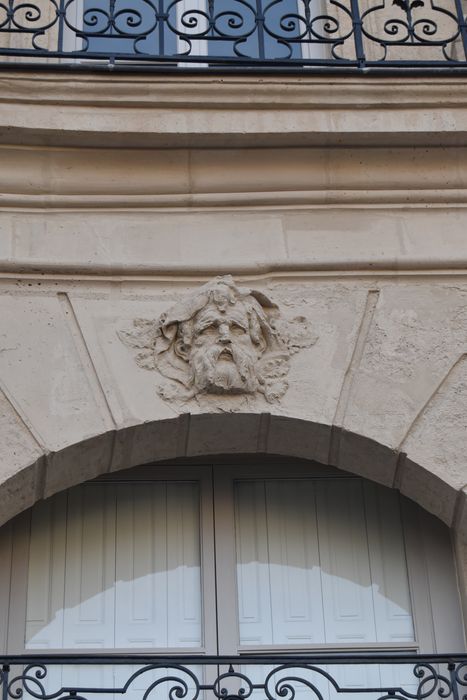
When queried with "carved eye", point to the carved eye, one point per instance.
{"points": [[237, 330], [207, 329]]}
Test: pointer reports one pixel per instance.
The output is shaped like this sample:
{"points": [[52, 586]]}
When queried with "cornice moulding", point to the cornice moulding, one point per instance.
{"points": [[118, 110]]}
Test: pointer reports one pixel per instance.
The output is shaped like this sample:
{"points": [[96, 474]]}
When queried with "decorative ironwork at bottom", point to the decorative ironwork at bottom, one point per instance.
{"points": [[304, 677]]}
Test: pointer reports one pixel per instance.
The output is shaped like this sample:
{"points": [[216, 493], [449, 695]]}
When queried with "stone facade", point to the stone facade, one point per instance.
{"points": [[340, 202]]}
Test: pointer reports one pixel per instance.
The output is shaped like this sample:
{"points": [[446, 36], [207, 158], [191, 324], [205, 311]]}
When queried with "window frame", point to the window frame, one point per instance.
{"points": [[427, 544], [421, 557], [20, 554]]}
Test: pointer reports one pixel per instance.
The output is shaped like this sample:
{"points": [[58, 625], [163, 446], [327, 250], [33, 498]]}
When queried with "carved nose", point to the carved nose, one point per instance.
{"points": [[224, 335]]}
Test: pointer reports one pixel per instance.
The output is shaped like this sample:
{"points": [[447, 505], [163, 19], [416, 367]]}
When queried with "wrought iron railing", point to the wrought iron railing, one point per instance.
{"points": [[202, 34], [383, 676]]}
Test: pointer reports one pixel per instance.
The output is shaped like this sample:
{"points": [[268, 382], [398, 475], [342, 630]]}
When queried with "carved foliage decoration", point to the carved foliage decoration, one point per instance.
{"points": [[223, 340]]}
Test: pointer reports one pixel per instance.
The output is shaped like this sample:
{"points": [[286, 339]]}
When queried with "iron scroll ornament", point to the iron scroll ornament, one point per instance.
{"points": [[279, 681], [241, 33]]}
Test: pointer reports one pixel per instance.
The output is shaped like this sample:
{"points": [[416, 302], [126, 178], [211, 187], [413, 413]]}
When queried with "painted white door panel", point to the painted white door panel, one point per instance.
{"points": [[320, 562], [46, 575], [89, 617], [390, 585], [345, 570], [310, 561], [294, 563], [116, 566], [254, 602], [183, 566]]}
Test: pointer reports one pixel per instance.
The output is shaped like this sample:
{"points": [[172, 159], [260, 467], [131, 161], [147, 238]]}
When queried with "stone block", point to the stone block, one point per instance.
{"points": [[224, 433], [428, 490], [79, 462], [20, 462], [408, 353], [149, 442], [438, 438], [293, 437], [42, 369], [363, 456], [20, 491]]}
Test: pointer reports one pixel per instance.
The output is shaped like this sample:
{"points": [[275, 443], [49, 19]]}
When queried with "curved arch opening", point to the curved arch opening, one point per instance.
{"points": [[307, 556], [190, 436]]}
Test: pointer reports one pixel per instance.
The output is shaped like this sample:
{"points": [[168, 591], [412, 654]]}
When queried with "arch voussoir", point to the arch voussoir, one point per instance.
{"points": [[197, 435]]}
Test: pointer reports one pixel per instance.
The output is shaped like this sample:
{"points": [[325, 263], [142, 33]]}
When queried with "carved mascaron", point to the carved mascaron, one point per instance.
{"points": [[222, 339]]}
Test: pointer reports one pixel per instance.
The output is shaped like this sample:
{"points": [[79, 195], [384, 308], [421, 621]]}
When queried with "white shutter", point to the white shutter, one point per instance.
{"points": [[320, 561], [89, 618], [389, 580], [141, 579], [46, 575], [254, 595], [158, 581], [183, 565], [297, 612], [345, 571]]}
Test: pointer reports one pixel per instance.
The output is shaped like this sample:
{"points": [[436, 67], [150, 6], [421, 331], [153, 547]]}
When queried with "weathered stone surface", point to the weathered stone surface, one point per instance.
{"points": [[149, 442], [334, 313], [19, 458], [438, 439], [431, 490], [289, 232], [364, 456], [342, 200], [417, 333], [210, 110], [79, 462], [130, 391], [381, 364], [238, 433], [297, 438], [42, 369]]}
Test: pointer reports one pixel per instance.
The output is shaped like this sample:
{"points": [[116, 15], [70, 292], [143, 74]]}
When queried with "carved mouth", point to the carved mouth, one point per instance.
{"points": [[226, 354]]}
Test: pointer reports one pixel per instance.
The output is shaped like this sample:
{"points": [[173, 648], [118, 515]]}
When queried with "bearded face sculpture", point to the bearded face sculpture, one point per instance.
{"points": [[223, 355], [223, 340]]}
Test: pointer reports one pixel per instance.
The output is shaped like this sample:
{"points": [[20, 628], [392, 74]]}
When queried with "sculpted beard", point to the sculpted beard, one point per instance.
{"points": [[214, 374]]}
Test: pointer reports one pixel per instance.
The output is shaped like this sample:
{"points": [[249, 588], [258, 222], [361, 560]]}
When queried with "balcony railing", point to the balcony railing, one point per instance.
{"points": [[235, 34], [375, 676]]}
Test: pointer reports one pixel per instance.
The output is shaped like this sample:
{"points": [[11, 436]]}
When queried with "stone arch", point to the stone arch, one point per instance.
{"points": [[212, 434], [204, 434]]}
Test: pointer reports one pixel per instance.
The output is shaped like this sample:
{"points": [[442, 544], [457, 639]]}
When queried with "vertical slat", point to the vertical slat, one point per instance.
{"points": [[296, 598], [442, 581], [19, 577], [254, 596], [90, 568], [141, 564], [417, 571], [183, 565], [46, 574], [347, 599], [390, 586], [5, 582]]}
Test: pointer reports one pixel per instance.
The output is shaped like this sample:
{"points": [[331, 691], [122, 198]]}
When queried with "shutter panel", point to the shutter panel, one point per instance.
{"points": [[46, 575], [141, 581], [345, 571], [89, 618], [254, 595], [295, 580]]}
